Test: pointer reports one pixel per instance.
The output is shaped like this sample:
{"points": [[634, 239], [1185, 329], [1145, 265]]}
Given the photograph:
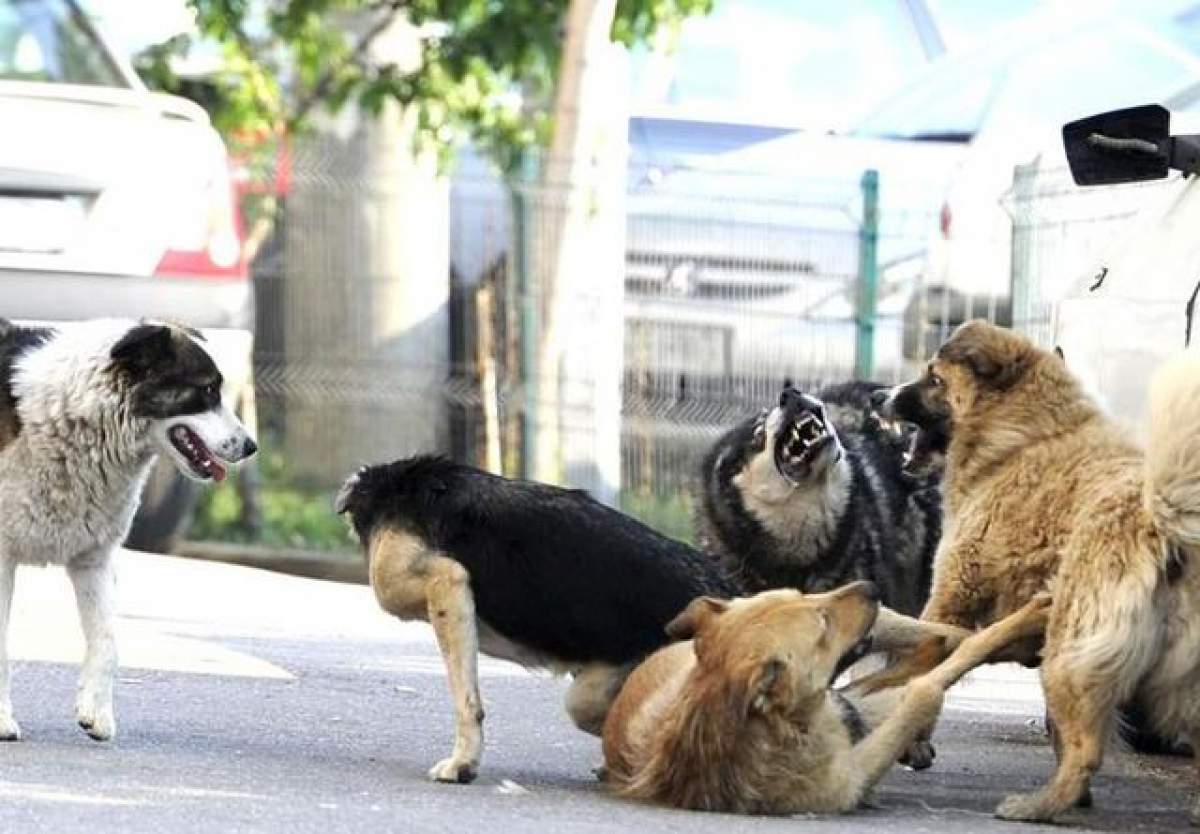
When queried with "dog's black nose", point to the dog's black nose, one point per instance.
{"points": [[879, 397], [249, 447]]}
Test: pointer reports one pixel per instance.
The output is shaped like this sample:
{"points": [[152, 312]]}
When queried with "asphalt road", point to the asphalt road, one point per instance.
{"points": [[255, 702]]}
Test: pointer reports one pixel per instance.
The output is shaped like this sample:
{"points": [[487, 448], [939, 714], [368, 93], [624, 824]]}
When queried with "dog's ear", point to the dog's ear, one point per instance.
{"points": [[143, 347], [693, 618], [995, 356], [341, 502], [767, 685]]}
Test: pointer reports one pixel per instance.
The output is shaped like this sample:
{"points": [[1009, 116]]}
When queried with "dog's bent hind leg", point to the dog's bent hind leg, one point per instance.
{"points": [[9, 729], [94, 582], [591, 694], [452, 615]]}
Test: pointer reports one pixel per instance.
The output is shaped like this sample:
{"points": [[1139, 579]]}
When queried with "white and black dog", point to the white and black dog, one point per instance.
{"points": [[83, 412]]}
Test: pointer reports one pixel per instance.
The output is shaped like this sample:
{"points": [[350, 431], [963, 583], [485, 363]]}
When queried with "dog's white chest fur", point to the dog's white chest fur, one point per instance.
{"points": [[804, 516]]}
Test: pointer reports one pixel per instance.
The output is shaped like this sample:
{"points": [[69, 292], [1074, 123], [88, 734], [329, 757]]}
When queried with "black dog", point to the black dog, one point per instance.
{"points": [[539, 575]]}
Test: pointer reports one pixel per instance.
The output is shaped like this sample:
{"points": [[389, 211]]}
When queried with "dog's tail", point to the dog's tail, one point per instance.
{"points": [[1172, 487]]}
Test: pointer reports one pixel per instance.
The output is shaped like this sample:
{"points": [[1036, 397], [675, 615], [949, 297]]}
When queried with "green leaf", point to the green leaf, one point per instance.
{"points": [[487, 72]]}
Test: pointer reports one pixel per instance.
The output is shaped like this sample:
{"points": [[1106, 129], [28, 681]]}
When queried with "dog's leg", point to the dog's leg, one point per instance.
{"points": [[922, 699], [94, 582], [452, 615], [1085, 799], [894, 631], [915, 646], [591, 695], [9, 729], [1081, 707], [918, 646], [908, 665]]}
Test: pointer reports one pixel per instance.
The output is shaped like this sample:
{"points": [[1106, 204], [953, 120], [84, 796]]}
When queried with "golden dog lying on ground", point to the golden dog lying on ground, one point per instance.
{"points": [[742, 718], [1043, 491]]}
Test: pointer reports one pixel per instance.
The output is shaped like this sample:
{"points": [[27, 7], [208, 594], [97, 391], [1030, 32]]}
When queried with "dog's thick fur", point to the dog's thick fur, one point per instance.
{"points": [[83, 413], [1044, 491], [543, 576], [741, 717], [811, 495]]}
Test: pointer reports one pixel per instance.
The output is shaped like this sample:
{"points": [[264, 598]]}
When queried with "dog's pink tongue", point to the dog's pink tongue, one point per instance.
{"points": [[218, 472]]}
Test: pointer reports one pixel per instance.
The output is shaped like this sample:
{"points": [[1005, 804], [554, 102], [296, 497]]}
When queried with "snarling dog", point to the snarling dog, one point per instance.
{"points": [[811, 494], [741, 717], [539, 575], [1043, 490], [84, 411]]}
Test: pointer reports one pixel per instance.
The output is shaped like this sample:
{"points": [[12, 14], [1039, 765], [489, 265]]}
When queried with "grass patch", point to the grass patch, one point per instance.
{"points": [[670, 515], [292, 516]]}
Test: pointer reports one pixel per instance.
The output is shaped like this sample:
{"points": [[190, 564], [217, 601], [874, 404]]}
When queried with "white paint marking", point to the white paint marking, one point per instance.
{"points": [[53, 793]]}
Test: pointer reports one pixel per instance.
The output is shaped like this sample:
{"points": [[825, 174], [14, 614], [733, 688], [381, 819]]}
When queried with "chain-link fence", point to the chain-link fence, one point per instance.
{"points": [[399, 313]]}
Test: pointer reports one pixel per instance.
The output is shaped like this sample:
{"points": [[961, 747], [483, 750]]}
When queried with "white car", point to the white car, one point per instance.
{"points": [[1011, 96], [114, 201], [1108, 270]]}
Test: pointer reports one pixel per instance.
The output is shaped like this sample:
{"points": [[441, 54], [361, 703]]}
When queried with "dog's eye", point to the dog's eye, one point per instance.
{"points": [[935, 380]]}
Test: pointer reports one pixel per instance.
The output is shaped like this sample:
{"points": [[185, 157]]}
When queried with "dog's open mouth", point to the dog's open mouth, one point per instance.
{"points": [[203, 463], [799, 445], [926, 452]]}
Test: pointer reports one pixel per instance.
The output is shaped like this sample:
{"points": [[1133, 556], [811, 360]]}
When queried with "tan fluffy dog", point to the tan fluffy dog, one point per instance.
{"points": [[741, 717], [1043, 491]]}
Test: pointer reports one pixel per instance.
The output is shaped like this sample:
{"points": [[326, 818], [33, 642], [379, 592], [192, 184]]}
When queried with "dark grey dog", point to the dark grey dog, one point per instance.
{"points": [[813, 494]]}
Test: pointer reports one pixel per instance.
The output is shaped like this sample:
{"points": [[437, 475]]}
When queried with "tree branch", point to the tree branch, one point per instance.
{"points": [[321, 88]]}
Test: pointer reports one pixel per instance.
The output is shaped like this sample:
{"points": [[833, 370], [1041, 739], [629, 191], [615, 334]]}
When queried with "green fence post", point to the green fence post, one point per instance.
{"points": [[868, 277], [524, 209]]}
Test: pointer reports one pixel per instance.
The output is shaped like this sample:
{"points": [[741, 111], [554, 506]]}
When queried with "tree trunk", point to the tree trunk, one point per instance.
{"points": [[580, 270], [366, 292]]}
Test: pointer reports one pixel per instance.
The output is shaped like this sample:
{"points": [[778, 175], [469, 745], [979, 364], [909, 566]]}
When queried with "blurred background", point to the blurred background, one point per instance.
{"points": [[490, 231]]}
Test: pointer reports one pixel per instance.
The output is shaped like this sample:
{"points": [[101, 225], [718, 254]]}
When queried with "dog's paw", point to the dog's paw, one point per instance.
{"points": [[1023, 807], [919, 755], [10, 730], [1039, 606], [99, 724], [454, 770]]}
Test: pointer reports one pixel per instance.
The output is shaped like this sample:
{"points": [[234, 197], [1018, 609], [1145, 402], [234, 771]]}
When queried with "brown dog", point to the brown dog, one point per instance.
{"points": [[741, 717], [1043, 491]]}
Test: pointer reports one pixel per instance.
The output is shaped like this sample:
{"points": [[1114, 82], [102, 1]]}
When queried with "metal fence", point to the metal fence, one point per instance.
{"points": [[399, 313]]}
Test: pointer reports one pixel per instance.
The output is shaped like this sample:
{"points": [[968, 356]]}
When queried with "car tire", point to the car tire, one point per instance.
{"points": [[168, 502]]}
